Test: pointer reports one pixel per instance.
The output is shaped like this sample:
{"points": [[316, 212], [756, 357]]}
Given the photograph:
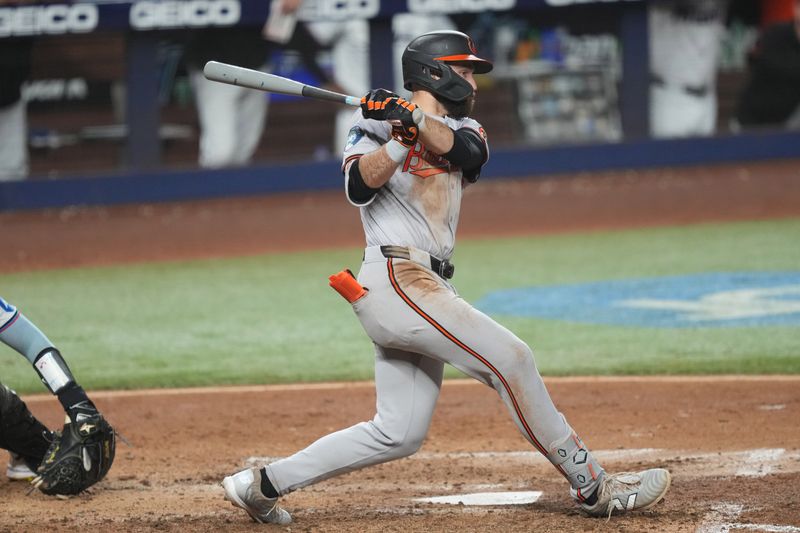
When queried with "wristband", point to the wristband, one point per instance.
{"points": [[419, 117], [396, 151]]}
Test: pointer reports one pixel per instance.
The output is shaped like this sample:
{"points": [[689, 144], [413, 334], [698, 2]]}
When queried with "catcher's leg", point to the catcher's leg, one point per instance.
{"points": [[407, 387], [20, 432]]}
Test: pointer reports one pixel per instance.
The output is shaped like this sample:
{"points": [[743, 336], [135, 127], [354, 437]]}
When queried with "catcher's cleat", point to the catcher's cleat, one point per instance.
{"points": [[243, 489], [18, 470], [628, 491]]}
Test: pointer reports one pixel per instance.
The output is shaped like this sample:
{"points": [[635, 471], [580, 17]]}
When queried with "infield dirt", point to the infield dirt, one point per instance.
{"points": [[731, 442]]}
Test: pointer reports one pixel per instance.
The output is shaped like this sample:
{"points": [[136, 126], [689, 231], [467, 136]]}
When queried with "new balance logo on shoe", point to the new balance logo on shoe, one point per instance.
{"points": [[616, 503]]}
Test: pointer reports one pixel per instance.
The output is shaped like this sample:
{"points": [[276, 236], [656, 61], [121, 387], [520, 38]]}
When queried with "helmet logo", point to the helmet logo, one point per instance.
{"points": [[471, 45]]}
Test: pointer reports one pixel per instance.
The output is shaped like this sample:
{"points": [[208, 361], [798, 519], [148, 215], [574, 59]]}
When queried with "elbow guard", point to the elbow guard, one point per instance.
{"points": [[468, 152], [357, 191]]}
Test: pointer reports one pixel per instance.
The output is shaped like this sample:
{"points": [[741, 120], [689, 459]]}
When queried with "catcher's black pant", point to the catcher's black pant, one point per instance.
{"points": [[20, 431]]}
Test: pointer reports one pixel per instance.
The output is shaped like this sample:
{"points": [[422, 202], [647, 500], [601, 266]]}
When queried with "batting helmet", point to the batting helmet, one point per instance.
{"points": [[426, 58]]}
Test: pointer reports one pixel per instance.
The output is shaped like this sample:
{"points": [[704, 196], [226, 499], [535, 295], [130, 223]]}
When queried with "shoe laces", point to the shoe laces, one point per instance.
{"points": [[612, 483]]}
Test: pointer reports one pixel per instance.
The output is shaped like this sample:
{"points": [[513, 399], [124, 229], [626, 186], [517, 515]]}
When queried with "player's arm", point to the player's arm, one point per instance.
{"points": [[464, 147], [367, 173], [436, 136], [378, 166]]}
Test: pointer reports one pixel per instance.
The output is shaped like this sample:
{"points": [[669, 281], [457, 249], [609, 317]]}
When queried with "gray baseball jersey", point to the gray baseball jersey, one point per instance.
{"points": [[420, 204]]}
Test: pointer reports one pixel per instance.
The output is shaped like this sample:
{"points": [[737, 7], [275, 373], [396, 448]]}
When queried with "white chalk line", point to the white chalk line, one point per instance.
{"points": [[685, 464], [721, 520], [746, 463], [759, 463], [234, 389]]}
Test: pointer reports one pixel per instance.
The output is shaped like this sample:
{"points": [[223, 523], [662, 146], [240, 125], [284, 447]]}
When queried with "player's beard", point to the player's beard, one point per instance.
{"points": [[460, 109]]}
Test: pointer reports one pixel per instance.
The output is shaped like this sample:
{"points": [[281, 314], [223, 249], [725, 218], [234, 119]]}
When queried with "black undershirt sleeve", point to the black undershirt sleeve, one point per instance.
{"points": [[468, 152], [358, 191]]}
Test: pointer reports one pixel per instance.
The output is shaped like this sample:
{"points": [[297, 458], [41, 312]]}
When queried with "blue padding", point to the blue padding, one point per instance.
{"points": [[170, 185], [642, 154], [504, 163]]}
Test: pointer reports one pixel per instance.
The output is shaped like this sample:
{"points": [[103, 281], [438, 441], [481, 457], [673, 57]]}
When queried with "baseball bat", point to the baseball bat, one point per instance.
{"points": [[254, 79]]}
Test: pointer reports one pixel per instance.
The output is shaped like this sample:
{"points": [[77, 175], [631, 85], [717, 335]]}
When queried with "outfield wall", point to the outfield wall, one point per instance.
{"points": [[504, 163]]}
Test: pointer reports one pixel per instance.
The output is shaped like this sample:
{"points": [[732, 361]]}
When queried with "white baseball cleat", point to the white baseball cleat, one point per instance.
{"points": [[629, 491], [17, 469], [243, 489]]}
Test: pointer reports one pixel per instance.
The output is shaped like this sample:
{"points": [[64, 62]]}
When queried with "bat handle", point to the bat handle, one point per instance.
{"points": [[324, 94]]}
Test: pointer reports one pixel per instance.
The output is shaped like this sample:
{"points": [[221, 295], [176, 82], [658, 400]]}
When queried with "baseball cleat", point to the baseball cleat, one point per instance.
{"points": [[629, 491], [243, 489], [17, 469]]}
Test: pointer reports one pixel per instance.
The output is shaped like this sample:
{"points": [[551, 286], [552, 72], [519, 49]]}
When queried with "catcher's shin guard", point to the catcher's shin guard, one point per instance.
{"points": [[20, 432]]}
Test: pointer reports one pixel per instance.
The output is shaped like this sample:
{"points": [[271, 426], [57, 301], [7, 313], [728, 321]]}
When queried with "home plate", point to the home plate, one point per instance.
{"points": [[486, 498]]}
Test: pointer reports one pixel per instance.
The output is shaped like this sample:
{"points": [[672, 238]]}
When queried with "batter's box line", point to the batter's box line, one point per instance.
{"points": [[722, 519]]}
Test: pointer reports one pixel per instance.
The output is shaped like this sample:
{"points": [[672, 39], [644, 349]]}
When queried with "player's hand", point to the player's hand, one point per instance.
{"points": [[406, 134], [373, 104]]}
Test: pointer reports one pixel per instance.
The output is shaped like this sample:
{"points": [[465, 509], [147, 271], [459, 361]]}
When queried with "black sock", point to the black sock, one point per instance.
{"points": [[266, 485], [591, 500]]}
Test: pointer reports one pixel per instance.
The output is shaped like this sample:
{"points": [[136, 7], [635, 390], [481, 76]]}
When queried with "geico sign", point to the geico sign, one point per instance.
{"points": [[559, 3], [52, 19], [151, 15], [459, 6], [338, 9]]}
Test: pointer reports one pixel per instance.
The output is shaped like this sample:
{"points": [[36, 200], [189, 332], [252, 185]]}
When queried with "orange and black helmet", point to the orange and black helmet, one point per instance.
{"points": [[426, 58]]}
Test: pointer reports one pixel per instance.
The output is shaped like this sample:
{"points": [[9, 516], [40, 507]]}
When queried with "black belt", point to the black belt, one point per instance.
{"points": [[698, 91], [443, 267]]}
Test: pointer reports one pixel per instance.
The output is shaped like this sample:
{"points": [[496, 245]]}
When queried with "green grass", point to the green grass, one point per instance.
{"points": [[273, 318]]}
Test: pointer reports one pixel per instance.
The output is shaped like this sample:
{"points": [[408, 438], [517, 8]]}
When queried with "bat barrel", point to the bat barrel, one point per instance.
{"points": [[262, 81]]}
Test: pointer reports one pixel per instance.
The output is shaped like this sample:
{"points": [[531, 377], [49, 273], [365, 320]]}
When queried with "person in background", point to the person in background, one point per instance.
{"points": [[771, 95], [685, 39], [348, 41], [15, 68], [232, 118]]}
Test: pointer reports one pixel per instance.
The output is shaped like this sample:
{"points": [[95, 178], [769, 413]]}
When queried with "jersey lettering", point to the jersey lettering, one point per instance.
{"points": [[7, 307], [424, 164], [7, 314]]}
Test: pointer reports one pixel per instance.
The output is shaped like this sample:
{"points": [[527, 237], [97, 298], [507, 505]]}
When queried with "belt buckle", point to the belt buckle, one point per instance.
{"points": [[446, 269]]}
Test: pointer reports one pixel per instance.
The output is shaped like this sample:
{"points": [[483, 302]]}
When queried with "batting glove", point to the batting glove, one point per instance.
{"points": [[373, 104]]}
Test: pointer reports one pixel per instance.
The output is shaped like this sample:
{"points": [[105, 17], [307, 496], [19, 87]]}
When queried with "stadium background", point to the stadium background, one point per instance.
{"points": [[160, 275]]}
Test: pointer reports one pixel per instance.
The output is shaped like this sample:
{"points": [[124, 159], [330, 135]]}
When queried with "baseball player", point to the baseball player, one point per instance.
{"points": [[685, 42], [64, 462], [406, 164]]}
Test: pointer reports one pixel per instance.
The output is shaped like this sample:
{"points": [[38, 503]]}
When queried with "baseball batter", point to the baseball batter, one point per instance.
{"points": [[406, 164]]}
